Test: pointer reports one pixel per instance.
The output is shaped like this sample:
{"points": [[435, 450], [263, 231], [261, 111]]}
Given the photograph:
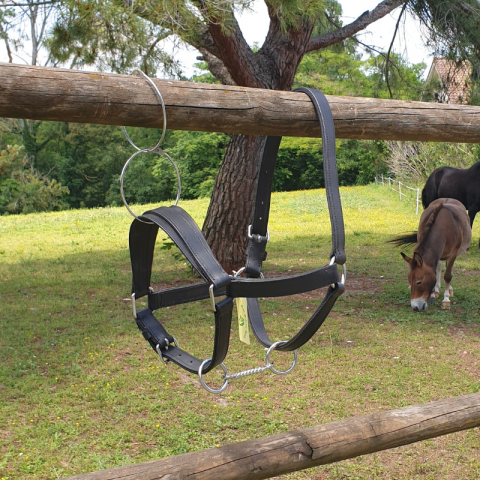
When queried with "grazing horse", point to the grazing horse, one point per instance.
{"points": [[462, 185], [444, 233]]}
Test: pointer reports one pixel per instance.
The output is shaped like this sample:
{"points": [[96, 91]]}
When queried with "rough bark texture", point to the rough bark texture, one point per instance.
{"points": [[320, 445], [55, 94], [273, 67], [216, 67], [231, 208]]}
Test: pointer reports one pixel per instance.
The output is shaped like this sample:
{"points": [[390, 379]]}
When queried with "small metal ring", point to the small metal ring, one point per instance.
{"points": [[272, 368], [202, 381], [158, 151], [157, 91]]}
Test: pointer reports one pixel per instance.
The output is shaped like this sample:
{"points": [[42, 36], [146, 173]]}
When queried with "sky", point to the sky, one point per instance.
{"points": [[254, 26]]}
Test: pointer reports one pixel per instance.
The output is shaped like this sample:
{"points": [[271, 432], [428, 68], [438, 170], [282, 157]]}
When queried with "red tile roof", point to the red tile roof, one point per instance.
{"points": [[454, 78]]}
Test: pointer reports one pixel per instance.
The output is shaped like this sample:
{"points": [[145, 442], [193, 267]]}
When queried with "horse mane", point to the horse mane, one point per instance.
{"points": [[427, 228]]}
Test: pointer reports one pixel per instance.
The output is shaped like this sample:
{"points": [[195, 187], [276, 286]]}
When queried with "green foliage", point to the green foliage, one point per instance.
{"points": [[359, 161], [453, 26], [198, 157], [204, 76], [293, 14], [23, 189], [300, 163], [109, 35], [346, 73]]}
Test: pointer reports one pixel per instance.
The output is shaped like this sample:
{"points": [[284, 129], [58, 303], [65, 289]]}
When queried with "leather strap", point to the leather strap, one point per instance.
{"points": [[256, 253], [156, 335], [184, 232], [247, 287], [325, 117], [306, 332], [256, 247]]}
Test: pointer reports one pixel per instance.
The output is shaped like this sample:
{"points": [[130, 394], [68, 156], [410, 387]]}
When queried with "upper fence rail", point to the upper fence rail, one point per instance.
{"points": [[381, 179], [54, 94]]}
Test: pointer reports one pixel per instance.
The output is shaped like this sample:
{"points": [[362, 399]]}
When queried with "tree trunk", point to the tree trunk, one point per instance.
{"points": [[231, 205]]}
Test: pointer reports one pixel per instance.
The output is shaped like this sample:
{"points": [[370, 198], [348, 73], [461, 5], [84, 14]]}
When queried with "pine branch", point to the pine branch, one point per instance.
{"points": [[235, 53], [362, 22], [387, 59], [216, 67]]}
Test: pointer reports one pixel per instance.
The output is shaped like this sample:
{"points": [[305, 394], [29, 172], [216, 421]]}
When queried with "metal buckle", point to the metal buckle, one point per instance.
{"points": [[212, 297], [344, 272], [249, 234], [134, 306], [236, 274], [157, 348]]}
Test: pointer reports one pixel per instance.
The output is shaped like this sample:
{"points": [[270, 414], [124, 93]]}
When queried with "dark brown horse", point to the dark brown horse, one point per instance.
{"points": [[444, 233], [462, 185]]}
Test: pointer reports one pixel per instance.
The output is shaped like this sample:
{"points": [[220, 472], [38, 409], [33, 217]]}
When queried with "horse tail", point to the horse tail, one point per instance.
{"points": [[407, 239]]}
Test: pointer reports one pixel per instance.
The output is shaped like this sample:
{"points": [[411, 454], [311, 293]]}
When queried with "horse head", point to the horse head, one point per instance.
{"points": [[422, 279]]}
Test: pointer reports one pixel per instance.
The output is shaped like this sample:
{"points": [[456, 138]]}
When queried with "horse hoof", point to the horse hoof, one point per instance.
{"points": [[445, 305], [435, 294], [450, 292]]}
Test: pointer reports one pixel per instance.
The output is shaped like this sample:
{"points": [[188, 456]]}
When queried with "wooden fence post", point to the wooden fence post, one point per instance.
{"points": [[293, 451]]}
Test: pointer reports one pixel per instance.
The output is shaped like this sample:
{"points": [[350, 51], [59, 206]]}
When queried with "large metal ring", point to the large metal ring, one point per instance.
{"points": [[157, 91], [158, 151], [268, 362], [202, 381]]}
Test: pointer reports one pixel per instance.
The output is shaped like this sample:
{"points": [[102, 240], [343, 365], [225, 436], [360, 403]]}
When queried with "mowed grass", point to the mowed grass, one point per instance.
{"points": [[81, 390]]}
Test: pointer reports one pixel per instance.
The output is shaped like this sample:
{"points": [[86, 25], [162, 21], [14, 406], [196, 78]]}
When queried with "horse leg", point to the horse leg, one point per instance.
{"points": [[438, 271], [448, 278], [471, 213]]}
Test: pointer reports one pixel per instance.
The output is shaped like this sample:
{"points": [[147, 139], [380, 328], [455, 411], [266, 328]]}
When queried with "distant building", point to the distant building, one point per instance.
{"points": [[449, 81]]}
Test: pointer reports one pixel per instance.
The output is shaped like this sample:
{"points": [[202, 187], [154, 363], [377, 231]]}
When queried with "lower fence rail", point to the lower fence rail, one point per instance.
{"points": [[310, 447]]}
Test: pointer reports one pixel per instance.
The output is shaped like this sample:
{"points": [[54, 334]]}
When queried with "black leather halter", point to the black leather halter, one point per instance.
{"points": [[184, 232]]}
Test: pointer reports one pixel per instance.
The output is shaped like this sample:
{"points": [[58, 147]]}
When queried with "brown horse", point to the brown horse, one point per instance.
{"points": [[444, 233]]}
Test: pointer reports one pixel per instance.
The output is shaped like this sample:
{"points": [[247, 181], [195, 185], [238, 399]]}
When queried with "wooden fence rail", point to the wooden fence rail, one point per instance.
{"points": [[293, 451], [55, 94]]}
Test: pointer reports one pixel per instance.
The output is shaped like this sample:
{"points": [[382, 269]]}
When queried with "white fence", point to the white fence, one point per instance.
{"points": [[392, 182]]}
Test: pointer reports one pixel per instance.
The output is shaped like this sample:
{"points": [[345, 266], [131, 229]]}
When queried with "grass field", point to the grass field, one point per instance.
{"points": [[81, 390]]}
